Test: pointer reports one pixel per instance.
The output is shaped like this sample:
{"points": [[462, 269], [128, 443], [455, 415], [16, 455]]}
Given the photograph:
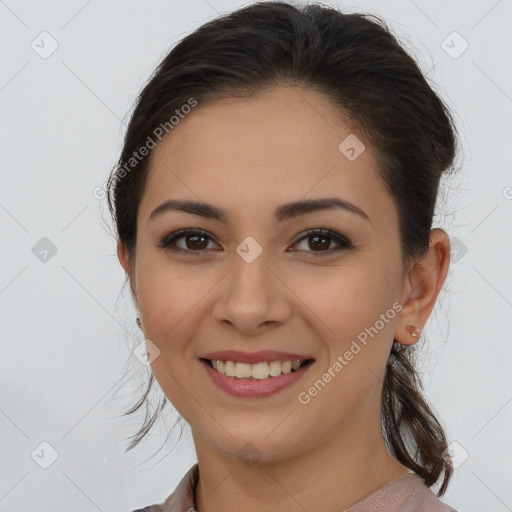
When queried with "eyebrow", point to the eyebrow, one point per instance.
{"points": [[284, 212]]}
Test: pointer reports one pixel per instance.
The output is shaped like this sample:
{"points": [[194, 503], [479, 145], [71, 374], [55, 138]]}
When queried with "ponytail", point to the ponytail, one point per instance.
{"points": [[406, 412]]}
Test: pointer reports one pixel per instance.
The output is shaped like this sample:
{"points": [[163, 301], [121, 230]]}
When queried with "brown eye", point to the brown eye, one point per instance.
{"points": [[194, 241], [319, 241]]}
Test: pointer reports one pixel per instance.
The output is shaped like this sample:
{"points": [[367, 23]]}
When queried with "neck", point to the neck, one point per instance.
{"points": [[330, 477]]}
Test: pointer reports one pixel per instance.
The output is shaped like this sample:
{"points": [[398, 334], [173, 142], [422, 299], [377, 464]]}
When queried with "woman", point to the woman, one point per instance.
{"points": [[274, 201]]}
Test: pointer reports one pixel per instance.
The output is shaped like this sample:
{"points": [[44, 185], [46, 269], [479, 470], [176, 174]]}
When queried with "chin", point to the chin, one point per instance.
{"points": [[256, 444]]}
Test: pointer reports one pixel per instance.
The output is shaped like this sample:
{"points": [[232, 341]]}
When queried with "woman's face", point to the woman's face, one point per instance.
{"points": [[254, 280]]}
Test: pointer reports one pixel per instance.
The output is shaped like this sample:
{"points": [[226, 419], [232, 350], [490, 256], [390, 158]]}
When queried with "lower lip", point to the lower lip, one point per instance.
{"points": [[255, 388]]}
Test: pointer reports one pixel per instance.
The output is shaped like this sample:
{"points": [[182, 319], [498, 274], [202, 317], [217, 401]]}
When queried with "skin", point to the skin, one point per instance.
{"points": [[248, 156]]}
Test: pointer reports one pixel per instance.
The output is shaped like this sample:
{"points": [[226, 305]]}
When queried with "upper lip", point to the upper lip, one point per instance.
{"points": [[254, 357]]}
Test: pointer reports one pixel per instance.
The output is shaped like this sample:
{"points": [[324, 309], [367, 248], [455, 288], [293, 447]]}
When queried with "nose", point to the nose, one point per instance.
{"points": [[252, 298]]}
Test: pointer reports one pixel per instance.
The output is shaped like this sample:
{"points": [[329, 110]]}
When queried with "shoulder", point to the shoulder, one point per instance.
{"points": [[421, 498], [182, 498], [407, 493]]}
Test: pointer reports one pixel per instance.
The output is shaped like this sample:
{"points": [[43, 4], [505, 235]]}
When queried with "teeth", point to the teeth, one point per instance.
{"points": [[256, 371], [259, 370], [230, 368], [275, 368], [242, 370]]}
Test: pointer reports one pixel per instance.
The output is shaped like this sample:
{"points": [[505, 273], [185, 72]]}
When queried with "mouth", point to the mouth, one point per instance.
{"points": [[256, 371], [260, 379]]}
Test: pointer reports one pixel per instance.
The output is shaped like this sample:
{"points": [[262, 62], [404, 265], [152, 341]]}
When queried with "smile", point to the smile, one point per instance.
{"points": [[256, 380]]}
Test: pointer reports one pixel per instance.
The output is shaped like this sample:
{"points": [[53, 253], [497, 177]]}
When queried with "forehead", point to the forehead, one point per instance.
{"points": [[278, 146]]}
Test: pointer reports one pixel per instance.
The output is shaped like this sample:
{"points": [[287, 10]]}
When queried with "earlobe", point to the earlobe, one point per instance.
{"points": [[408, 334], [422, 285]]}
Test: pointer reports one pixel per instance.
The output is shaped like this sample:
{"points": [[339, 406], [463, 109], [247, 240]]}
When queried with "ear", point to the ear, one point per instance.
{"points": [[127, 265], [123, 257], [421, 286]]}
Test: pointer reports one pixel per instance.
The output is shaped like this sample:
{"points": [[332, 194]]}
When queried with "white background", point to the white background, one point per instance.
{"points": [[67, 325]]}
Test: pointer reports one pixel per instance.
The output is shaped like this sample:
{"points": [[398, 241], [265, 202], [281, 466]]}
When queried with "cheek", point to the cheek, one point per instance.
{"points": [[351, 311], [169, 294], [346, 300], [354, 319], [173, 305]]}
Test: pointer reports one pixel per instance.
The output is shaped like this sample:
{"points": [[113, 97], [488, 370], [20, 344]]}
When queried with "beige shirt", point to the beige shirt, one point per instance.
{"points": [[406, 493]]}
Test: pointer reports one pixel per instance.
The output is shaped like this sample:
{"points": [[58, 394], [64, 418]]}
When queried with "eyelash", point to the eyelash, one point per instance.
{"points": [[170, 239]]}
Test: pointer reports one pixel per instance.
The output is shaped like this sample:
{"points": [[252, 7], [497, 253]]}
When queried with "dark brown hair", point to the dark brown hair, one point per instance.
{"points": [[356, 63]]}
